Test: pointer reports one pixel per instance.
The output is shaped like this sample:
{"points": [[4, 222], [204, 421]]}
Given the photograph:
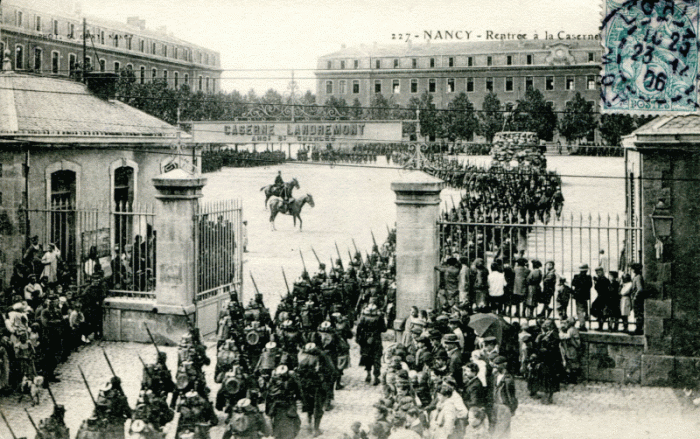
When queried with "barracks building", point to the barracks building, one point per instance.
{"points": [[46, 37], [558, 68]]}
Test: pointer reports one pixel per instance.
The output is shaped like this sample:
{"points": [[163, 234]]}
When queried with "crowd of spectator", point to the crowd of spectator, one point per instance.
{"points": [[44, 319]]}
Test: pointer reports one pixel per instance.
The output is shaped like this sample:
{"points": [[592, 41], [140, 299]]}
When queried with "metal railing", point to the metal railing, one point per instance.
{"points": [[218, 248], [568, 242], [115, 242]]}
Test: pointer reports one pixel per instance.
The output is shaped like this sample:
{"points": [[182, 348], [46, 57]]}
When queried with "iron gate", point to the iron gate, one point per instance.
{"points": [[218, 258]]}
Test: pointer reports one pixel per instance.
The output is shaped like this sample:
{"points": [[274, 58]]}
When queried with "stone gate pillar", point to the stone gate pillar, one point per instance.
{"points": [[177, 200], [663, 164], [417, 246], [167, 315]]}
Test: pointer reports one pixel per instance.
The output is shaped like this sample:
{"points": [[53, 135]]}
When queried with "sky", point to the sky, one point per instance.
{"points": [[292, 34]]}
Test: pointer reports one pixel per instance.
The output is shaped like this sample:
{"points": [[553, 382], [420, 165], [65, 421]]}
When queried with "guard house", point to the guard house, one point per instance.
{"points": [[77, 169], [662, 167]]}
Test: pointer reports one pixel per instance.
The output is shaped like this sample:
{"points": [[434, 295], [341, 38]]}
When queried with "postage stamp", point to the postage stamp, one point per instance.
{"points": [[650, 59]]}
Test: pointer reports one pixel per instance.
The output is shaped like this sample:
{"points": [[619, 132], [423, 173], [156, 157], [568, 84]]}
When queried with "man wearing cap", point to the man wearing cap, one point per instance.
{"points": [[454, 363], [281, 403], [196, 415], [503, 400], [581, 286]]}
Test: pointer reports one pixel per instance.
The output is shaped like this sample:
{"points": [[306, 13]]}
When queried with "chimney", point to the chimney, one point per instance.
{"points": [[102, 84], [136, 22]]}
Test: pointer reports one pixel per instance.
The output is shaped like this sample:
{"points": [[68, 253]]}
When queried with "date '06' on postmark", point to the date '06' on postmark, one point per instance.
{"points": [[650, 63]]}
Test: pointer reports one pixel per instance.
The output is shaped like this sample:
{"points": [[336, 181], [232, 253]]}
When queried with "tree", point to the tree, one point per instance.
{"points": [[430, 123], [490, 117], [460, 122], [336, 108], [534, 114], [271, 97], [614, 126], [380, 107], [578, 120], [356, 112]]}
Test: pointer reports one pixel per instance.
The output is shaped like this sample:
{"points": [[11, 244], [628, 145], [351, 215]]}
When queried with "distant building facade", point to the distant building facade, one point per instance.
{"points": [[46, 37], [558, 68]]}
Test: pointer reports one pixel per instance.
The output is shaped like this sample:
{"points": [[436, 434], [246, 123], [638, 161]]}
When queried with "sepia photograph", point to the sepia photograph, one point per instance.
{"points": [[349, 219]]}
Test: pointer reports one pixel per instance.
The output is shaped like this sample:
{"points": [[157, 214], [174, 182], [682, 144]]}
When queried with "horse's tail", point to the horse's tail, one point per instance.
{"points": [[263, 188]]}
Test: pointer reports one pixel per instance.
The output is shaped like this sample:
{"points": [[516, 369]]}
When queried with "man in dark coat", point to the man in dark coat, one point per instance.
{"points": [[315, 370], [474, 394], [281, 403], [369, 337], [581, 285], [454, 362]]}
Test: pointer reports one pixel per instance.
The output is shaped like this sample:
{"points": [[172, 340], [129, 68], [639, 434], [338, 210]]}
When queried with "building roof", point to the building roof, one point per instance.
{"points": [[474, 47], [52, 110], [668, 130]]}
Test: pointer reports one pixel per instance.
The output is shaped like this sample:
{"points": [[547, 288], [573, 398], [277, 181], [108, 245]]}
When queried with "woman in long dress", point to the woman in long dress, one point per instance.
{"points": [[545, 368]]}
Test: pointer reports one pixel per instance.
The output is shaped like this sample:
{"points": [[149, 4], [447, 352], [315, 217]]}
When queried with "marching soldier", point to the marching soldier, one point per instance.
{"points": [[290, 342], [327, 341], [314, 371], [152, 410], [54, 427], [246, 423], [281, 403], [196, 416], [369, 337], [157, 377]]}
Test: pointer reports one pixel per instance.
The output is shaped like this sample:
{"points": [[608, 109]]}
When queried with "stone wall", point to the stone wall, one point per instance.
{"points": [[612, 357]]}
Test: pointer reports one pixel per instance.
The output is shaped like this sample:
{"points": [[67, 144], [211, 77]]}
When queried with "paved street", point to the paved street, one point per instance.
{"points": [[593, 410]]}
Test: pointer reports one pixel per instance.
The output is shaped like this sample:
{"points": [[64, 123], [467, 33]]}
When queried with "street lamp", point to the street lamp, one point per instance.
{"points": [[661, 226]]}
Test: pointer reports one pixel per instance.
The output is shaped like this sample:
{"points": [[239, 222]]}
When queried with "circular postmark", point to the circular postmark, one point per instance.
{"points": [[651, 56]]}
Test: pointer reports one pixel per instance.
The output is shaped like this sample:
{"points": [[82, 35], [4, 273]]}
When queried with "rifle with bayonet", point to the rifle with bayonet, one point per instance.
{"points": [[87, 386], [285, 280], [8, 425], [152, 339], [109, 363]]}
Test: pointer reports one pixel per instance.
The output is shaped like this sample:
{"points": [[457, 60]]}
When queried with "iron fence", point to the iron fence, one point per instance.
{"points": [[115, 242], [568, 242], [218, 247]]}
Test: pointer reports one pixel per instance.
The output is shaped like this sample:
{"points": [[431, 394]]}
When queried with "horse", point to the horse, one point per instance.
{"points": [[276, 191], [294, 208]]}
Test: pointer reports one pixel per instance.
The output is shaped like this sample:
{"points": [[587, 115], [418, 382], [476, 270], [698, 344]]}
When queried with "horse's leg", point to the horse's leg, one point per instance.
{"points": [[299, 216], [273, 214]]}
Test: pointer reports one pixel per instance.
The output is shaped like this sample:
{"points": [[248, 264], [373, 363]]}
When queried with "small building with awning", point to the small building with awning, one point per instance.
{"points": [[76, 169]]}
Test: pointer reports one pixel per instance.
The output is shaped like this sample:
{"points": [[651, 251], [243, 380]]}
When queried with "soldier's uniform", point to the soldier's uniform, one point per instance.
{"points": [[246, 422], [281, 403], [314, 370], [369, 336], [157, 377], [327, 340], [289, 342], [53, 427], [196, 416], [152, 410]]}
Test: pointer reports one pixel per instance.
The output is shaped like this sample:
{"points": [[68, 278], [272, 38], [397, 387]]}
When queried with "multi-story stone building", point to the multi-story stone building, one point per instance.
{"points": [[558, 68], [46, 36]]}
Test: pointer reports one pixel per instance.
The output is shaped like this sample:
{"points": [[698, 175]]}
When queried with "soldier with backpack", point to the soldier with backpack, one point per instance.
{"points": [[196, 416], [314, 371], [369, 336], [246, 422], [281, 403]]}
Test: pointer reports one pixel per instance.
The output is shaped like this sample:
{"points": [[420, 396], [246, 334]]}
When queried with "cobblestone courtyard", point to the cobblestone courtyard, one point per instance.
{"points": [[592, 410]]}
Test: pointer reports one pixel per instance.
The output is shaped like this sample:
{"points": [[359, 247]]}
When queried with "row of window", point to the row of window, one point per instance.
{"points": [[450, 84], [120, 40], [203, 83], [451, 62]]}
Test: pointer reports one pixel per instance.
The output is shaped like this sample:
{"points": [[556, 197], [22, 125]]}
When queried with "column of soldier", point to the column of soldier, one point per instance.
{"points": [[300, 354]]}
